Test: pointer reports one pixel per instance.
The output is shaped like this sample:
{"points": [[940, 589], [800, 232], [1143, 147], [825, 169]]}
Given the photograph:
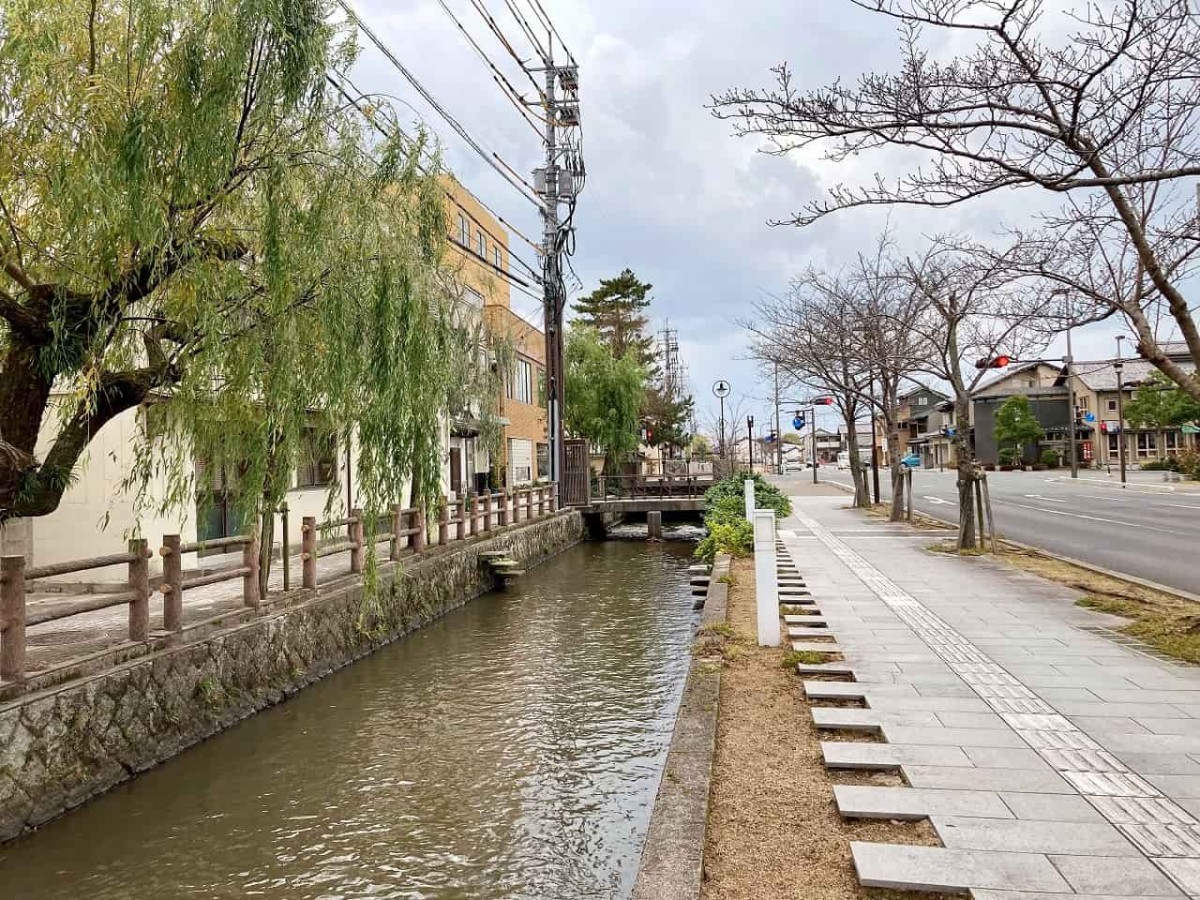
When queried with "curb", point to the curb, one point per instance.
{"points": [[672, 862]]}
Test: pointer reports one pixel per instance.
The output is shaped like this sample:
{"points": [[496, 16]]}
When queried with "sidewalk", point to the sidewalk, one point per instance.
{"points": [[1051, 760]]}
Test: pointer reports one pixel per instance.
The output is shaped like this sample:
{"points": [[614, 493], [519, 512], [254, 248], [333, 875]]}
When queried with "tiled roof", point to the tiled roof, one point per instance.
{"points": [[1101, 375]]}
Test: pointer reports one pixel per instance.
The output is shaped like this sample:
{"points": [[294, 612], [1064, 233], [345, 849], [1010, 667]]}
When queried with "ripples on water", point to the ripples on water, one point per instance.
{"points": [[512, 749]]}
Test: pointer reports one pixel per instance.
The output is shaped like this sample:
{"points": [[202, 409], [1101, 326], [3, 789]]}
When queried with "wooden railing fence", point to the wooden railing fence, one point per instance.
{"points": [[404, 529]]}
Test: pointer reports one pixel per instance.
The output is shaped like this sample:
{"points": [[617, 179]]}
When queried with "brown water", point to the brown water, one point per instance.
{"points": [[511, 749]]}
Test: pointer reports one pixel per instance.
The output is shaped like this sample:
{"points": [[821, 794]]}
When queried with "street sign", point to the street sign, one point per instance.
{"points": [[798, 422], [1089, 417], [721, 388]]}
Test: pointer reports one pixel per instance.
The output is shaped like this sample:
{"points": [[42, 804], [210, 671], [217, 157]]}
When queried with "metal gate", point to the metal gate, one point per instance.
{"points": [[576, 473]]}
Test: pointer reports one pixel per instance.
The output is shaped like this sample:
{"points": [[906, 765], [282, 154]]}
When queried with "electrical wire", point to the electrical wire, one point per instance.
{"points": [[450, 120]]}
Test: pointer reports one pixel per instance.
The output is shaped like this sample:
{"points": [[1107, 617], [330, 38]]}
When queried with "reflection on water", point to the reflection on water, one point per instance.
{"points": [[510, 750]]}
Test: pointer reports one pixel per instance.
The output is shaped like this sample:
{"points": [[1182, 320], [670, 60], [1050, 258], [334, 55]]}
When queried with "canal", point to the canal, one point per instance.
{"points": [[511, 749]]}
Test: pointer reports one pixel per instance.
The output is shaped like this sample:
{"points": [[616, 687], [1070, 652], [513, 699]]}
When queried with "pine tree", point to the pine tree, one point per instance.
{"points": [[616, 310]]}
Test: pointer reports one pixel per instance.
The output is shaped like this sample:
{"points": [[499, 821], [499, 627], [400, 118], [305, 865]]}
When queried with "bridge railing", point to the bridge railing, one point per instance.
{"points": [[633, 487]]}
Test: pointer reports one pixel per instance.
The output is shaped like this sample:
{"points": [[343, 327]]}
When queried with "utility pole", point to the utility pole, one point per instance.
{"points": [[750, 440], [558, 182], [1119, 365], [1072, 415], [778, 429]]}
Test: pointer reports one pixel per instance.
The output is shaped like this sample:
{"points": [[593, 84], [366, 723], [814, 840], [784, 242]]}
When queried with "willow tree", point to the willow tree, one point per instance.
{"points": [[606, 394], [191, 217]]}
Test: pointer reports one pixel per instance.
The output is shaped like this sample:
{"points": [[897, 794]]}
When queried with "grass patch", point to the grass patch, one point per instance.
{"points": [[950, 548], [793, 658], [723, 640]]}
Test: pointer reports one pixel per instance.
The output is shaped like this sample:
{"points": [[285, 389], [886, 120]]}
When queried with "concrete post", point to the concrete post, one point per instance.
{"points": [[139, 584], [487, 510], [443, 523], [749, 489], [766, 583], [308, 552], [250, 560], [355, 532], [12, 618], [460, 509], [473, 522], [503, 495], [529, 504], [654, 525], [172, 583]]}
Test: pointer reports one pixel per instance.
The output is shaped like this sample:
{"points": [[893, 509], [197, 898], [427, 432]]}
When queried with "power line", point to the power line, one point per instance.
{"points": [[432, 101]]}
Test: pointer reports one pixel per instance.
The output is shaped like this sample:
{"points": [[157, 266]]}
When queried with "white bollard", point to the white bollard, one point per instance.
{"points": [[749, 488], [766, 582]]}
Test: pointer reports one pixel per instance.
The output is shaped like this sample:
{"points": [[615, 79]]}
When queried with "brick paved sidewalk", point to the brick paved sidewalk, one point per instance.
{"points": [[1052, 760]]}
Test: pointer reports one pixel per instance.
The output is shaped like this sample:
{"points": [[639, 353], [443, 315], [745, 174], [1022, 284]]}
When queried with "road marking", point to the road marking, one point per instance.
{"points": [[937, 500], [1044, 499], [1109, 499], [1059, 512]]}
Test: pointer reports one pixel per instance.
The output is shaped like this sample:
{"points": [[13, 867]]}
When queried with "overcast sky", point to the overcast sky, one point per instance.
{"points": [[670, 192]]}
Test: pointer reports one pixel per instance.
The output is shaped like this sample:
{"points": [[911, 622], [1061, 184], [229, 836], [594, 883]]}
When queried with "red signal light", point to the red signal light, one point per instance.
{"points": [[995, 362], [823, 401]]}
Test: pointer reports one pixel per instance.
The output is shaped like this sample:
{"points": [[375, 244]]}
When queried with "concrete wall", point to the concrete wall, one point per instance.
{"points": [[61, 746]]}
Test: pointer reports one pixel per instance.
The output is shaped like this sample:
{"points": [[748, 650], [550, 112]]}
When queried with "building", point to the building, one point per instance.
{"points": [[923, 422], [829, 445], [1096, 386], [1099, 429], [484, 270]]}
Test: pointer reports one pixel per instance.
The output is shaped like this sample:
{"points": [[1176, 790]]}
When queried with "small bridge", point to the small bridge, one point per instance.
{"points": [[645, 504], [613, 497]]}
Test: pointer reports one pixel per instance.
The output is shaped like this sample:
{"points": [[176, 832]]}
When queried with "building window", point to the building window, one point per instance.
{"points": [[483, 246], [464, 231], [520, 382], [1114, 443], [542, 395], [922, 401], [318, 458], [1172, 441], [543, 460], [1147, 444], [1084, 402], [474, 298], [1112, 405], [499, 258]]}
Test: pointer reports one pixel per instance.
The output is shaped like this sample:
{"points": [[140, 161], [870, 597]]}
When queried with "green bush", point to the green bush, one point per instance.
{"points": [[725, 515], [1170, 464], [1051, 458], [1010, 456], [736, 539]]}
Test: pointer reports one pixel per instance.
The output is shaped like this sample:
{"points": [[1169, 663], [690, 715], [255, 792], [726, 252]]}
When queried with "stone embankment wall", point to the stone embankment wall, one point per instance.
{"points": [[61, 746]]}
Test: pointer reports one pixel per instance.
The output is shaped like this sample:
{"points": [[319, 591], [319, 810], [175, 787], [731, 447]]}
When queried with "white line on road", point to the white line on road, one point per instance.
{"points": [[1044, 499], [1059, 512], [936, 500]]}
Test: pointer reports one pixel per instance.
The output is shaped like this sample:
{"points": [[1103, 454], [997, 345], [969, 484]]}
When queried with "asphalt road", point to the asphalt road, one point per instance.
{"points": [[1146, 529]]}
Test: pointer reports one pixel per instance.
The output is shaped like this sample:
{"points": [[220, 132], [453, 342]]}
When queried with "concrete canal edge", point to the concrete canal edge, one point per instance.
{"points": [[61, 746], [672, 862]]}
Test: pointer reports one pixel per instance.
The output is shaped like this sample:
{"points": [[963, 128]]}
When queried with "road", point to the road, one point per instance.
{"points": [[1145, 530]]}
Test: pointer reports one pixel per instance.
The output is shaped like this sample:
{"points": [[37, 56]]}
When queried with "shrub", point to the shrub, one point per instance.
{"points": [[1051, 459], [734, 539], [1189, 463], [1010, 456], [766, 496], [1170, 464]]}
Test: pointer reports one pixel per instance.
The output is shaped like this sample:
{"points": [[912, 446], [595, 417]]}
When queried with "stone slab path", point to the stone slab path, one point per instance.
{"points": [[1051, 760]]}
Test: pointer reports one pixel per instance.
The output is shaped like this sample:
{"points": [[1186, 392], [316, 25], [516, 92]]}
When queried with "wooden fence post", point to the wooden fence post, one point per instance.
{"points": [[554, 496], [443, 523], [473, 527], [504, 507], [285, 550], [250, 560], [308, 552], [397, 525], [529, 504], [487, 510], [139, 584], [172, 583], [355, 530], [418, 539], [460, 513], [12, 618]]}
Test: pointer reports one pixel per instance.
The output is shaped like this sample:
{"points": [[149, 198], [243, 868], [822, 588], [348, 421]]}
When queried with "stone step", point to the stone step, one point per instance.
{"points": [[806, 621], [938, 869], [888, 757], [835, 668], [816, 646], [868, 802]]}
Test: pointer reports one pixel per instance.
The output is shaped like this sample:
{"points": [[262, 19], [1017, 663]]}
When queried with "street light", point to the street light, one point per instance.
{"points": [[1119, 365], [750, 440]]}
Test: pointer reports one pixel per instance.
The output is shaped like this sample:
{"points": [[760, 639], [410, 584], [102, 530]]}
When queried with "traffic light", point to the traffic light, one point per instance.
{"points": [[823, 401], [993, 362]]}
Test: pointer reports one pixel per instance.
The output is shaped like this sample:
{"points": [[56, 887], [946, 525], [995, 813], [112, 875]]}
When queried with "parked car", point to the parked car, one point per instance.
{"points": [[912, 461], [794, 465]]}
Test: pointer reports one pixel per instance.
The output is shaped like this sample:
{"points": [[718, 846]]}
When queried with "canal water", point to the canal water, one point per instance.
{"points": [[510, 750]]}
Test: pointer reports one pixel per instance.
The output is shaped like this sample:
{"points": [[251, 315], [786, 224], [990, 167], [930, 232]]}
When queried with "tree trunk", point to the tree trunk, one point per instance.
{"points": [[24, 393], [966, 473], [898, 512], [266, 546], [862, 495]]}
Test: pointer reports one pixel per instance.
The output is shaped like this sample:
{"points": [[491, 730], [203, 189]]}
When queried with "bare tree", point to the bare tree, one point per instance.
{"points": [[1108, 118], [973, 311]]}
